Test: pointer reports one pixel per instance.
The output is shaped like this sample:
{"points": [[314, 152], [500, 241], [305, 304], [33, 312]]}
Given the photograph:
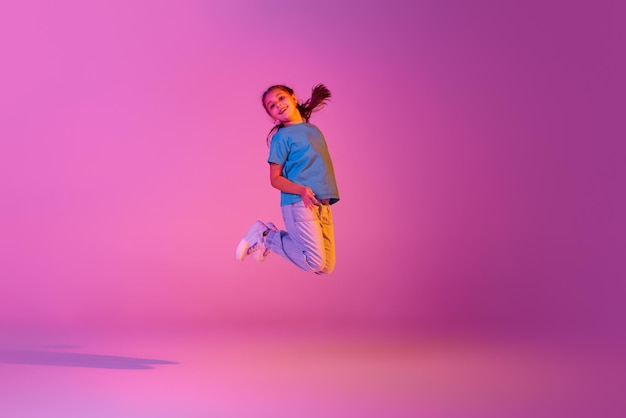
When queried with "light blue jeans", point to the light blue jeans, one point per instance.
{"points": [[309, 241]]}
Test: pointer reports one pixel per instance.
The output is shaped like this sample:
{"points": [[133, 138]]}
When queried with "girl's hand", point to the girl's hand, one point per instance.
{"points": [[281, 183], [308, 197]]}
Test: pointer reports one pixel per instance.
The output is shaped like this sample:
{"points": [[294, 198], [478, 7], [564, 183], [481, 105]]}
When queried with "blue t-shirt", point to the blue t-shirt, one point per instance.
{"points": [[301, 150]]}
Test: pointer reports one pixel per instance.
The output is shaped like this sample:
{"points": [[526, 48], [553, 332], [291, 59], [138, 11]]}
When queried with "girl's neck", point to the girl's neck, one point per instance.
{"points": [[294, 121]]}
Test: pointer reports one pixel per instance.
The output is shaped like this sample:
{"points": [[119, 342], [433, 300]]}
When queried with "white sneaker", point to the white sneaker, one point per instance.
{"points": [[263, 252], [254, 240]]}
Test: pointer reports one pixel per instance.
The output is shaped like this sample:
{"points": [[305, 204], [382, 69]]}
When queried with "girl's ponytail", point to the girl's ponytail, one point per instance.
{"points": [[319, 97]]}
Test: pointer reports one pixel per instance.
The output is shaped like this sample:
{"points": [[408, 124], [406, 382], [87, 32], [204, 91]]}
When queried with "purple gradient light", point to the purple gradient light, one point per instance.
{"points": [[478, 150]]}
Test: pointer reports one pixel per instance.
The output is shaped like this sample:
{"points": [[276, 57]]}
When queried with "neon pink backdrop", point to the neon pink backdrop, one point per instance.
{"points": [[477, 146]]}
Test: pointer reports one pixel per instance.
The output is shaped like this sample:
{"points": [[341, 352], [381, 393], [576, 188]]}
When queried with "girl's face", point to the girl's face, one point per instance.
{"points": [[282, 106]]}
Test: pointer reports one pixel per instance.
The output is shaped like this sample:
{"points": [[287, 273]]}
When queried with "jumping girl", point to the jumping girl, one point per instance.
{"points": [[301, 168]]}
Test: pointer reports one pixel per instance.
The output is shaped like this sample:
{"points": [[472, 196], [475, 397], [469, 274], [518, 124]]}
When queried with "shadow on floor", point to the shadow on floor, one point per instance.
{"points": [[59, 358]]}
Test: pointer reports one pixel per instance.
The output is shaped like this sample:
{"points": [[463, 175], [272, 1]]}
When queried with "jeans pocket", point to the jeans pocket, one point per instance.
{"points": [[304, 214]]}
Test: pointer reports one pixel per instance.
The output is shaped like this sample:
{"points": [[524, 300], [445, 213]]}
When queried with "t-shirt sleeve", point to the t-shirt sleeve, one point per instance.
{"points": [[278, 150]]}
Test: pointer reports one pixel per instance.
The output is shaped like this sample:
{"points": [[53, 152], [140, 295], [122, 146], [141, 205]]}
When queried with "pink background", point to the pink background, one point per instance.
{"points": [[478, 148]]}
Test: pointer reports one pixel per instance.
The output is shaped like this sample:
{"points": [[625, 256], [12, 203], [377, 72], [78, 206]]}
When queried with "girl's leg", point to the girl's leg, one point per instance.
{"points": [[303, 241], [328, 234]]}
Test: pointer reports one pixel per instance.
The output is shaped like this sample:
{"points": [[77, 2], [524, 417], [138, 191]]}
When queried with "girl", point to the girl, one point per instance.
{"points": [[301, 168]]}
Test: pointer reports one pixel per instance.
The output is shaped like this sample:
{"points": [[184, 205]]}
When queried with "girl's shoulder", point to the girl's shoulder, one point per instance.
{"points": [[295, 132]]}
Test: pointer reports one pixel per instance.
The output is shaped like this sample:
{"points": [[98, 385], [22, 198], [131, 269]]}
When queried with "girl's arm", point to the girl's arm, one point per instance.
{"points": [[284, 185]]}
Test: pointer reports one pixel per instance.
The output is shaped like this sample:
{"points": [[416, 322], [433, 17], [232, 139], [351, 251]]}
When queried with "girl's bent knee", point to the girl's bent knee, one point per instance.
{"points": [[315, 265], [326, 270], [318, 263]]}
